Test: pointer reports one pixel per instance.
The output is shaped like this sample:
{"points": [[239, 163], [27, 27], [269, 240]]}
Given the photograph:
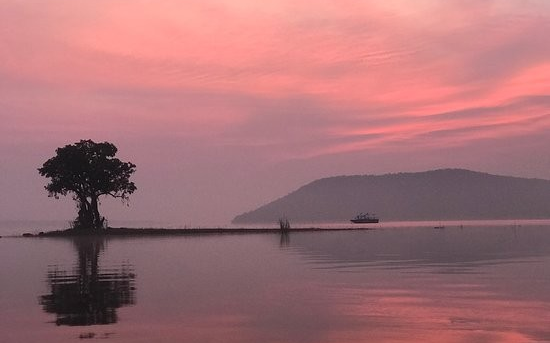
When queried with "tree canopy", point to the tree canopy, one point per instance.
{"points": [[88, 170]]}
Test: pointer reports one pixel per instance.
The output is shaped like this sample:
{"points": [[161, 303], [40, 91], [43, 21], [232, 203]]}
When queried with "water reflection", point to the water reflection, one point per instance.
{"points": [[453, 250], [285, 240], [465, 284], [398, 285], [89, 294]]}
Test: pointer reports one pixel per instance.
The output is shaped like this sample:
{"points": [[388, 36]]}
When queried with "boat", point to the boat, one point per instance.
{"points": [[365, 218]]}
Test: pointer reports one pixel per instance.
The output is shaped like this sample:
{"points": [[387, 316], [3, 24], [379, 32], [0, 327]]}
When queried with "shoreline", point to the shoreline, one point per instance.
{"points": [[147, 232]]}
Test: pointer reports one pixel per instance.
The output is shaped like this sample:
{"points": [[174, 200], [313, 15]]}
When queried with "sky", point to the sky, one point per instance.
{"points": [[225, 105]]}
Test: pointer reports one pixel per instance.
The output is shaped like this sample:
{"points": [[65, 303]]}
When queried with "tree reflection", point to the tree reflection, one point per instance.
{"points": [[89, 295]]}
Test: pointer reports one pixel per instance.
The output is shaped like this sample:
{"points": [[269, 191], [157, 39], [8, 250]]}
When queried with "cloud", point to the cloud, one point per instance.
{"points": [[278, 80]]}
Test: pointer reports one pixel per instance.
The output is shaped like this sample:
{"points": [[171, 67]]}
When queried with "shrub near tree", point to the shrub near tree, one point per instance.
{"points": [[88, 170]]}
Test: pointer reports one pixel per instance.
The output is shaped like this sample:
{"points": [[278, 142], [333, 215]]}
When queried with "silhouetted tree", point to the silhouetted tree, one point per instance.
{"points": [[88, 170]]}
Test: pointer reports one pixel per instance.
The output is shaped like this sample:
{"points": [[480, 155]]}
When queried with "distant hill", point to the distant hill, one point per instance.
{"points": [[444, 194]]}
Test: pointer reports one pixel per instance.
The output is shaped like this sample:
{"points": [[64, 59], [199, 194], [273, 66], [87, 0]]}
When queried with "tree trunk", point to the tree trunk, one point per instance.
{"points": [[94, 208], [88, 213], [85, 219]]}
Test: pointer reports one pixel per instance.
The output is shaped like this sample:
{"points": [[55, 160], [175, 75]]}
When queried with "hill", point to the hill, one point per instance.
{"points": [[446, 194]]}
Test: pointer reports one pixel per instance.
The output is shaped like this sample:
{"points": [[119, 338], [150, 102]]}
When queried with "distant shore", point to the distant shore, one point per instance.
{"points": [[122, 231]]}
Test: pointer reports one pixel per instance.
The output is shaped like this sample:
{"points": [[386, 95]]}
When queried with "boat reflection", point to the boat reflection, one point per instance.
{"points": [[89, 294]]}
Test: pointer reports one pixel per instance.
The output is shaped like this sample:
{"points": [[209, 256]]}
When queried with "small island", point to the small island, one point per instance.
{"points": [[122, 231], [88, 170]]}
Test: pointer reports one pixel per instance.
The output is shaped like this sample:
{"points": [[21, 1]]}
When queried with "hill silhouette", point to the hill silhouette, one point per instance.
{"points": [[445, 194]]}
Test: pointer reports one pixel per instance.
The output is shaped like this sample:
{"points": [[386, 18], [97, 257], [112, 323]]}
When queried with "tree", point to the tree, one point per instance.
{"points": [[88, 170]]}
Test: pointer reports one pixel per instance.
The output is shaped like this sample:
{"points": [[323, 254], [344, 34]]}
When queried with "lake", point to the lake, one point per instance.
{"points": [[472, 283]]}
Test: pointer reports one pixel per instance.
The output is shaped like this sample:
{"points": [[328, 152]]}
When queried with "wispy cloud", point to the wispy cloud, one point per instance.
{"points": [[287, 79]]}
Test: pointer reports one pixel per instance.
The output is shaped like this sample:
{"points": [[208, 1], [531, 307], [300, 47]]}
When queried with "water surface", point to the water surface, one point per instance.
{"points": [[469, 284]]}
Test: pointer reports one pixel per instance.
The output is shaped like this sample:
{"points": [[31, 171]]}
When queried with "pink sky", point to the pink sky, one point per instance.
{"points": [[224, 105]]}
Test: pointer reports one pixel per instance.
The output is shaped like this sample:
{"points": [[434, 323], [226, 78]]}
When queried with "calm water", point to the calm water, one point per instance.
{"points": [[470, 284]]}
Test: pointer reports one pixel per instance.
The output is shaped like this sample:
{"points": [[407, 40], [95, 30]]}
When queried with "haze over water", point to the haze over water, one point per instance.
{"points": [[487, 284]]}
